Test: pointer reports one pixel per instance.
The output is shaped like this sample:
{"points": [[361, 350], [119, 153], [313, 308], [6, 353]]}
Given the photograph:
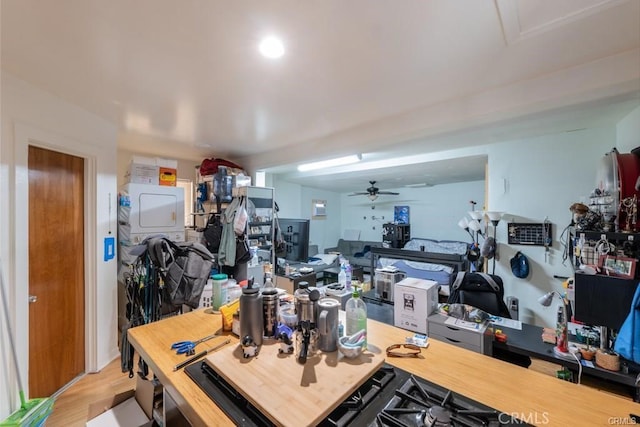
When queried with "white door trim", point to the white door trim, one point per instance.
{"points": [[26, 135]]}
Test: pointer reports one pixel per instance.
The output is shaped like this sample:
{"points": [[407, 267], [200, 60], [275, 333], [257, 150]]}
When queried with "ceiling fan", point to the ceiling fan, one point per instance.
{"points": [[373, 192]]}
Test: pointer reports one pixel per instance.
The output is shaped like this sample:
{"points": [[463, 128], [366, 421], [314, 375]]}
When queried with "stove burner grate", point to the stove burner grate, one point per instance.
{"points": [[348, 410], [420, 403]]}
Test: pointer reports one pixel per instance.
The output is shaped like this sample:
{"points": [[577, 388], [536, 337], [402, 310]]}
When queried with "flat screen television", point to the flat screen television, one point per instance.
{"points": [[295, 233], [603, 300]]}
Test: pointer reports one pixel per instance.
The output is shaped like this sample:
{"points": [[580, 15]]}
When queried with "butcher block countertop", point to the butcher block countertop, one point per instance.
{"points": [[534, 397], [274, 383]]}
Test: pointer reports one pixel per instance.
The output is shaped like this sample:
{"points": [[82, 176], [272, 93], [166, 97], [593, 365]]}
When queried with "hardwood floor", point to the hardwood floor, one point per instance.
{"points": [[72, 405]]}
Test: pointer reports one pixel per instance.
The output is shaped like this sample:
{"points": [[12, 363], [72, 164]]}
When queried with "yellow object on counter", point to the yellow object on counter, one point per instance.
{"points": [[365, 286], [228, 311]]}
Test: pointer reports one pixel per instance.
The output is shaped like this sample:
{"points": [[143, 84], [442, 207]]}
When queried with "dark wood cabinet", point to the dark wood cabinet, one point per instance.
{"points": [[604, 299]]}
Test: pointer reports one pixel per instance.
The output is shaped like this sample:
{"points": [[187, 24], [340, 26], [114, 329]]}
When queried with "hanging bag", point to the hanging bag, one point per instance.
{"points": [[213, 233], [243, 253], [627, 343], [240, 218]]}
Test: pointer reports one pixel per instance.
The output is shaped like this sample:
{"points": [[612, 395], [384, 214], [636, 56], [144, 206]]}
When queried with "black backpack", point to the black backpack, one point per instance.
{"points": [[184, 268], [213, 233]]}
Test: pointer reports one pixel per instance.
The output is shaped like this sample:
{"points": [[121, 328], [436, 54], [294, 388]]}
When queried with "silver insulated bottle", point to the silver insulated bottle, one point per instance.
{"points": [[270, 302], [251, 323]]}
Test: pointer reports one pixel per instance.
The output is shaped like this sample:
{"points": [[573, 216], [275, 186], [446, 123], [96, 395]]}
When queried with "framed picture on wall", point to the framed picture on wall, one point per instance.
{"points": [[618, 266]]}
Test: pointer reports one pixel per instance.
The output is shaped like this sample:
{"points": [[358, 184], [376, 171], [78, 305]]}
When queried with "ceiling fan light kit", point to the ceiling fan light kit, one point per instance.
{"points": [[373, 192]]}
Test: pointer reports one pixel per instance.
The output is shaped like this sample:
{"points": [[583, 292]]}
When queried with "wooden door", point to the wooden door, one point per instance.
{"points": [[56, 270]]}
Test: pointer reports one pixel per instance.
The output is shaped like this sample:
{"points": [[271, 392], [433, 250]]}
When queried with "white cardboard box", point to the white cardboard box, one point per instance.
{"points": [[414, 300], [132, 408], [139, 173]]}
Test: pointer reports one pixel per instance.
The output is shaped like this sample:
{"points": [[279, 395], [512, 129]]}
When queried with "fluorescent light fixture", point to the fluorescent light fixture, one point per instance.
{"points": [[271, 47], [340, 161]]}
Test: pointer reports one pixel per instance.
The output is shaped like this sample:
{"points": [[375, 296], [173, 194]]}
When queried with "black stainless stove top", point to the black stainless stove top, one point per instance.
{"points": [[391, 397]]}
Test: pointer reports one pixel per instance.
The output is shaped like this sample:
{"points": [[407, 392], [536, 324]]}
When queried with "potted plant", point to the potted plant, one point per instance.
{"points": [[587, 353]]}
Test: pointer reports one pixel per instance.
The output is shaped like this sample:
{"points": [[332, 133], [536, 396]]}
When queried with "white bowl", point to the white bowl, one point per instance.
{"points": [[349, 351]]}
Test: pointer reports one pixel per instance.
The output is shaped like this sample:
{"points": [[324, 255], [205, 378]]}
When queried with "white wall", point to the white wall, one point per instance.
{"points": [[31, 116], [532, 179], [322, 232], [628, 132], [294, 201], [434, 212], [289, 198]]}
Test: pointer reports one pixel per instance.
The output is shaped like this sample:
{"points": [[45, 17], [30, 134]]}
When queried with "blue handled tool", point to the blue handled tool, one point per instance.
{"points": [[188, 347]]}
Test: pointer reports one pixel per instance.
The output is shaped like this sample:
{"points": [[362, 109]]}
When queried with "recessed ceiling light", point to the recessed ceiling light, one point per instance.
{"points": [[271, 47]]}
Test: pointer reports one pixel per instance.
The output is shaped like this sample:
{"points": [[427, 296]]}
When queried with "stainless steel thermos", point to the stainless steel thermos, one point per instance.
{"points": [[270, 309], [251, 321], [306, 300]]}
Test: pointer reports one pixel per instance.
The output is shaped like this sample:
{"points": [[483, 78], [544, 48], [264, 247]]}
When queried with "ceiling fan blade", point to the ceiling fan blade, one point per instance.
{"points": [[362, 193], [388, 193]]}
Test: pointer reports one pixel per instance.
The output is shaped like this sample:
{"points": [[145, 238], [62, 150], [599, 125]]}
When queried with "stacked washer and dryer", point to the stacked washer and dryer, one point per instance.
{"points": [[145, 210]]}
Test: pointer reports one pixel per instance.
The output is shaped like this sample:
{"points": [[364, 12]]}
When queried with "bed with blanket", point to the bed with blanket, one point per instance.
{"points": [[425, 259]]}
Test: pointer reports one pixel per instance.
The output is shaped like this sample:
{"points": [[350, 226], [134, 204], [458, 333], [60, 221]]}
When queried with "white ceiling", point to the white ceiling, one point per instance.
{"points": [[377, 77]]}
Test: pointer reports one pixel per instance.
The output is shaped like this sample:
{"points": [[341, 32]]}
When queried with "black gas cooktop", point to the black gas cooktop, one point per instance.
{"points": [[390, 397]]}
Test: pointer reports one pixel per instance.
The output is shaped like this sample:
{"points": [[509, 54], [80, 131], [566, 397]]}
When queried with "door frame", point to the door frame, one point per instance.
{"points": [[26, 135]]}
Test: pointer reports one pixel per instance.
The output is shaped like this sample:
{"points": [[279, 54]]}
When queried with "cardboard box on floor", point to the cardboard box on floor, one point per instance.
{"points": [[132, 408]]}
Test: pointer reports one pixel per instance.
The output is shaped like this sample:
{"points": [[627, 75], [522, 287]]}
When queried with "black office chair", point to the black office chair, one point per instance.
{"points": [[486, 292], [480, 290]]}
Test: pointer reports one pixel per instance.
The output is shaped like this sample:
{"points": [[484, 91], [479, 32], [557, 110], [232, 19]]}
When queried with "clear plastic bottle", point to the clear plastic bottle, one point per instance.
{"points": [[347, 270], [342, 277], [356, 315]]}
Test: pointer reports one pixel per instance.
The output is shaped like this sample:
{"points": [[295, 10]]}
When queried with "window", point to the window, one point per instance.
{"points": [[187, 185]]}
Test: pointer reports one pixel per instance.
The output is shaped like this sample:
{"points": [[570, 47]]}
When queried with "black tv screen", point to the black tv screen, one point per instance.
{"points": [[295, 233], [603, 300]]}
